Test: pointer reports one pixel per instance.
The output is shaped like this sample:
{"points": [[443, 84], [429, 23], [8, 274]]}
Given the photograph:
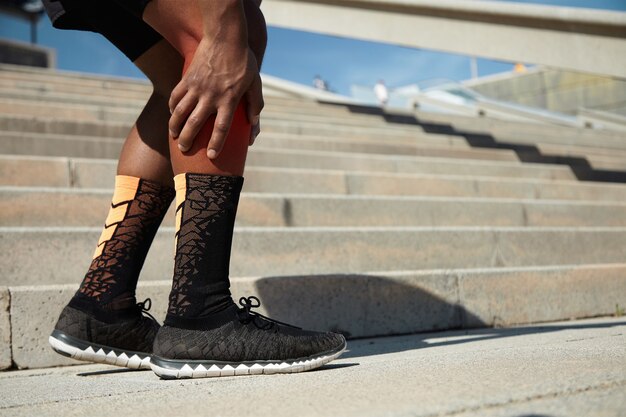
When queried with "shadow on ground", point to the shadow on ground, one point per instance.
{"points": [[369, 306], [370, 347], [580, 166], [114, 371], [363, 305]]}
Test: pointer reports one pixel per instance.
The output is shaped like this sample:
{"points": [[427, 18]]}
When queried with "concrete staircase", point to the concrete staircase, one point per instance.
{"points": [[353, 220]]}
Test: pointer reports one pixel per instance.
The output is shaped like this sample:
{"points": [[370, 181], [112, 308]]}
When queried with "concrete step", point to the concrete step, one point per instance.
{"points": [[53, 76], [453, 124], [425, 146], [27, 253], [91, 97], [592, 154], [54, 106], [49, 94], [60, 126], [522, 132], [55, 207], [572, 368], [115, 129], [85, 84], [339, 114], [80, 111], [566, 368], [92, 84], [351, 161], [124, 90], [48, 144], [29, 143], [361, 305], [77, 111], [614, 157], [403, 164], [117, 85], [307, 106], [596, 156], [296, 128], [100, 173]]}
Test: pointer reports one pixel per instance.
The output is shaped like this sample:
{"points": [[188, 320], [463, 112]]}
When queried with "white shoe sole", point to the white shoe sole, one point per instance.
{"points": [[100, 354], [169, 369]]}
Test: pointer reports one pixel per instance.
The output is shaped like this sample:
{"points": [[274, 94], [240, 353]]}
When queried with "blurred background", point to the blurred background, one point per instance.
{"points": [[348, 67]]}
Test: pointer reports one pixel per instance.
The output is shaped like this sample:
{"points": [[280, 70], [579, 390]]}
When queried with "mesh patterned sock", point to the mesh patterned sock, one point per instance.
{"points": [[137, 209], [206, 206]]}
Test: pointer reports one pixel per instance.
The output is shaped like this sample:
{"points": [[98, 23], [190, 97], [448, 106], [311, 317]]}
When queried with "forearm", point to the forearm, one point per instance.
{"points": [[224, 21]]}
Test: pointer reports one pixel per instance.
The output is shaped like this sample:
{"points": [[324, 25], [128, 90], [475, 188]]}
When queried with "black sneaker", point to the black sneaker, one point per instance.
{"points": [[122, 338], [241, 342]]}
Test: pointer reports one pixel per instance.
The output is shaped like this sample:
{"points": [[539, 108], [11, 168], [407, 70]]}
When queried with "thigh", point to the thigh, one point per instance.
{"points": [[182, 26]]}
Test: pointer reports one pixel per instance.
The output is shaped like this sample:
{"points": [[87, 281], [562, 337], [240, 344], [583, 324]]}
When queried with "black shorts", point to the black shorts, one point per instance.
{"points": [[117, 20]]}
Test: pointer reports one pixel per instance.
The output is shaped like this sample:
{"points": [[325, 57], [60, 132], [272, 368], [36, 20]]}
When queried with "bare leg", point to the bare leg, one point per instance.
{"points": [[203, 324], [182, 28], [145, 153], [207, 190]]}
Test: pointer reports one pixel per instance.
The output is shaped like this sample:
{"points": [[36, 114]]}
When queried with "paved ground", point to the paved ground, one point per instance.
{"points": [[575, 368]]}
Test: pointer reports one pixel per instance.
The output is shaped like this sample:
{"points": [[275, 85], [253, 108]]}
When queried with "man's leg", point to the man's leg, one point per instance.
{"points": [[146, 153], [143, 192], [103, 311], [146, 156], [207, 191], [205, 334], [103, 314]]}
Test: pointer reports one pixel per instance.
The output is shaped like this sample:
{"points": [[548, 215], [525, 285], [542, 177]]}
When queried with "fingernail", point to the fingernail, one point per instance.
{"points": [[211, 154], [172, 134], [181, 147]]}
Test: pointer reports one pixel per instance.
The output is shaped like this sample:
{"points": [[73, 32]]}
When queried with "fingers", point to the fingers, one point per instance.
{"points": [[180, 113], [254, 132], [223, 120], [254, 98], [176, 95], [193, 124]]}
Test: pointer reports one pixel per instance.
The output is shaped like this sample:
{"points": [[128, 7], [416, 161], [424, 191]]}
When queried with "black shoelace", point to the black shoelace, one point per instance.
{"points": [[247, 315], [145, 306]]}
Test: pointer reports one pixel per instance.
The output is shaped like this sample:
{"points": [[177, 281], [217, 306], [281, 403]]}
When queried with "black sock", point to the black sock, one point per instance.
{"points": [[206, 206], [137, 209]]}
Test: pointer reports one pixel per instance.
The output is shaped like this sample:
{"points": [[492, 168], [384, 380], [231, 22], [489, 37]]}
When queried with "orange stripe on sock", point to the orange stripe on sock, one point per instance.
{"points": [[125, 188], [125, 191], [116, 215], [180, 184]]}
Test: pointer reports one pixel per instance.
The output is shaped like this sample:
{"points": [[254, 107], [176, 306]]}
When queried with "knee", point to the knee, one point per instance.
{"points": [[168, 77], [162, 64], [163, 91]]}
